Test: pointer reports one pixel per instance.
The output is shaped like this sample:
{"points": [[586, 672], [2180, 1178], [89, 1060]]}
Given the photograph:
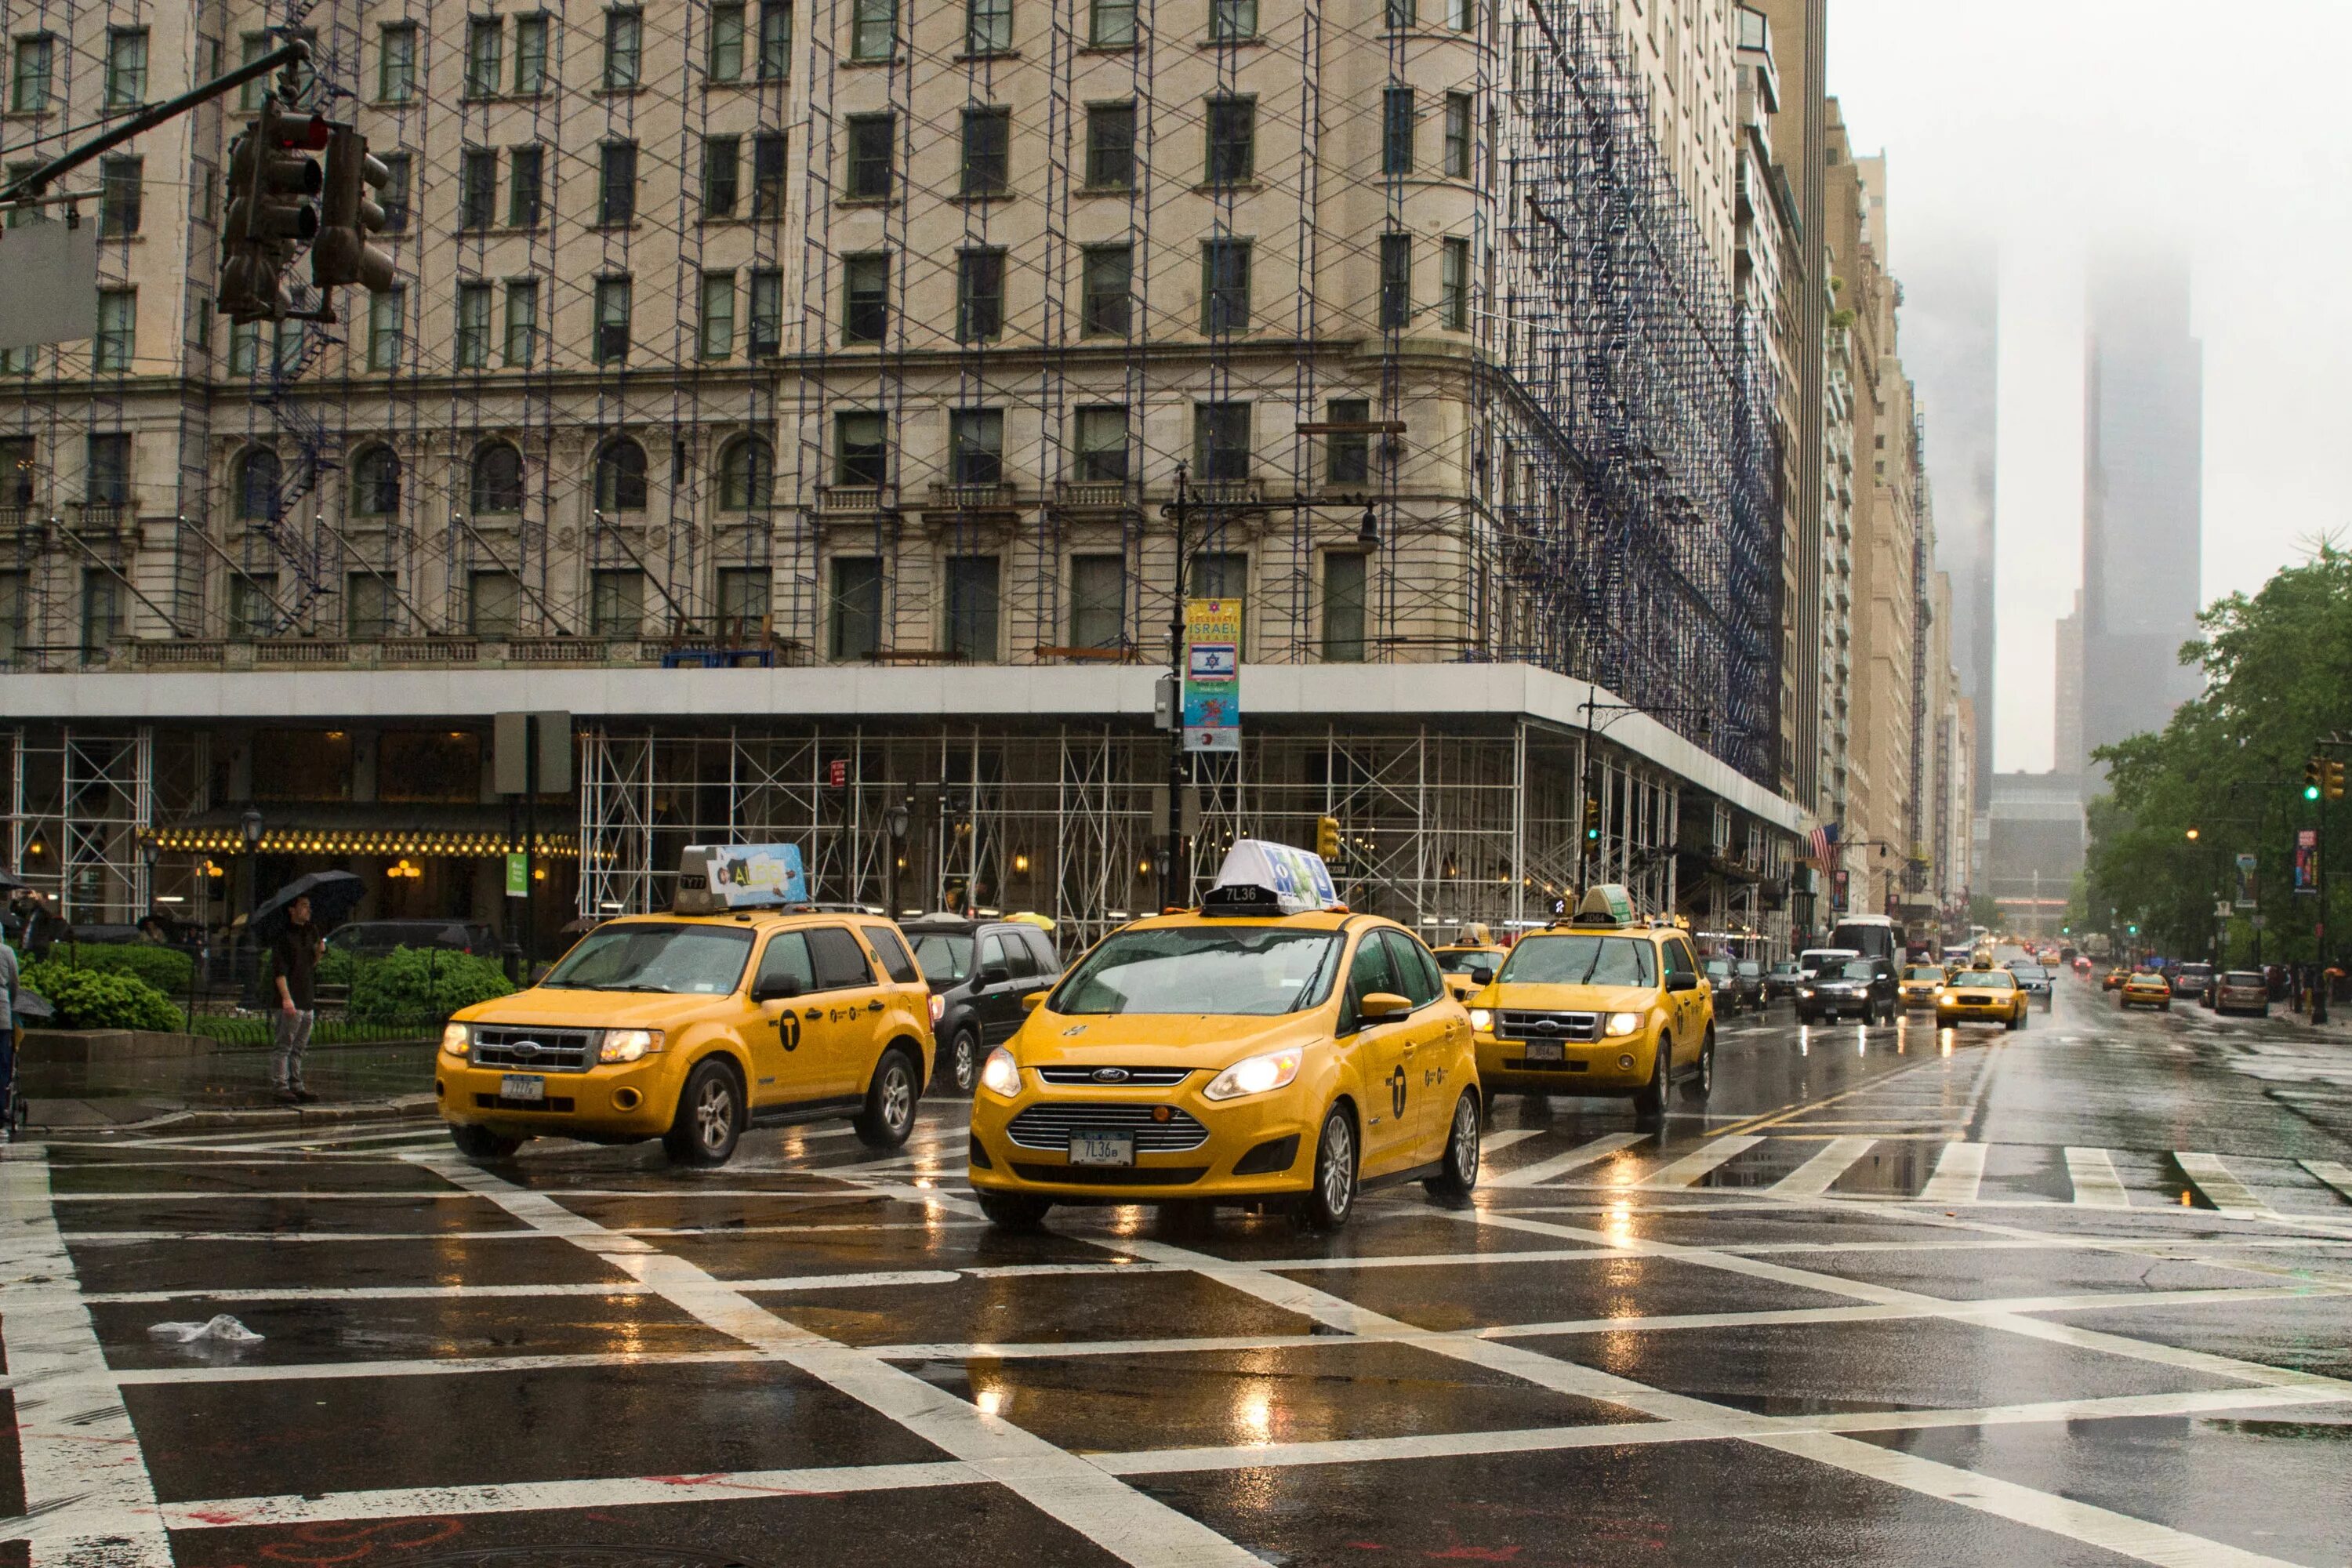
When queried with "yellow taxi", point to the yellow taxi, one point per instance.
{"points": [[2146, 988], [1982, 996], [1599, 1004], [1921, 981], [1269, 1047], [1470, 962], [730, 1012]]}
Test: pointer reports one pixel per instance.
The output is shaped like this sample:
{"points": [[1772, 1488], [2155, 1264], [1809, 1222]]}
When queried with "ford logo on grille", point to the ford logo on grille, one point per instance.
{"points": [[1112, 1075], [523, 1049], [1547, 1025]]}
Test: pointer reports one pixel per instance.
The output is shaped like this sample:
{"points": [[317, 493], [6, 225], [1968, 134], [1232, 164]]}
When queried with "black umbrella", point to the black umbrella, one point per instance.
{"points": [[31, 1007], [9, 884], [332, 895]]}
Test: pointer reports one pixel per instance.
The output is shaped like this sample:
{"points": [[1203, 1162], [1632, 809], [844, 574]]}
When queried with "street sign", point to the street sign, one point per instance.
{"points": [[2306, 860], [517, 874], [2246, 899], [1213, 675], [49, 282], [836, 773]]}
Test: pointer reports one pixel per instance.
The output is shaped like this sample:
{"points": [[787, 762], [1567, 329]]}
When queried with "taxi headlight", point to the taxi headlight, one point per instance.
{"points": [[1481, 1019], [628, 1045], [457, 1039], [1000, 1074], [1254, 1074], [1804, 991], [1623, 1023]]}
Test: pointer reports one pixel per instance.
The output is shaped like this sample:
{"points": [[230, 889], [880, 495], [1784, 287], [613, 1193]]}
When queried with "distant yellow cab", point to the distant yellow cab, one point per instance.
{"points": [[1920, 983], [1469, 964], [1599, 1004], [1982, 996], [693, 1027], [2146, 988], [1267, 1047]]}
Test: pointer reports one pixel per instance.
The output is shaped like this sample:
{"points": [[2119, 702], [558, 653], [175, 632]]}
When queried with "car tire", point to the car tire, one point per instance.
{"points": [[710, 1116], [480, 1142], [2014, 1024], [1458, 1171], [889, 1113], [1701, 1082], [1329, 1204], [960, 1061], [1650, 1100], [1014, 1211]]}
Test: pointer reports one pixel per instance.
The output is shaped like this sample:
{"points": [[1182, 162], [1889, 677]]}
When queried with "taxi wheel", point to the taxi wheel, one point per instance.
{"points": [[1650, 1102], [1014, 1211], [1327, 1206], [963, 1063], [709, 1117], [1459, 1170], [1701, 1082], [889, 1113], [480, 1142]]}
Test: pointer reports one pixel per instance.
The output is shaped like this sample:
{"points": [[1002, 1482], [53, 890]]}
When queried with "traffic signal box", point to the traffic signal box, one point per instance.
{"points": [[1326, 838], [2313, 773], [280, 199], [1592, 819], [2331, 779]]}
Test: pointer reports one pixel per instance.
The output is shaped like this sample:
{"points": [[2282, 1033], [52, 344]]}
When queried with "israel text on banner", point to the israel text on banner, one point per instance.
{"points": [[1213, 675]]}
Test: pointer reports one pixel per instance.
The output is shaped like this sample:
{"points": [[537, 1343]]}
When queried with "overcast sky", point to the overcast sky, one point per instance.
{"points": [[2041, 121]]}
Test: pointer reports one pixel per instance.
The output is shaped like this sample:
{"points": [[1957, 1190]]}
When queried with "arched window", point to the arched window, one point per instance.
{"points": [[621, 477], [747, 475], [497, 479], [375, 483], [258, 476]]}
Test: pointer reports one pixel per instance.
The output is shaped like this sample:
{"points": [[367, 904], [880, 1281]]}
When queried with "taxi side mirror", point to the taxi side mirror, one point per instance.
{"points": [[1035, 1000], [1384, 1004], [1481, 974], [1682, 982], [778, 988]]}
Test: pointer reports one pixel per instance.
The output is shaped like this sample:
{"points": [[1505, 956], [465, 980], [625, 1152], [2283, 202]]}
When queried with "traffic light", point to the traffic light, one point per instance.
{"points": [[2313, 773], [349, 215], [2132, 930], [1592, 819], [2332, 779], [1326, 838], [271, 210]]}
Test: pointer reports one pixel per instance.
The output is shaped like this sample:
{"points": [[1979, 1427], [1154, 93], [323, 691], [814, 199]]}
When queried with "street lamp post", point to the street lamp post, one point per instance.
{"points": [[1591, 705], [248, 827], [1175, 825]]}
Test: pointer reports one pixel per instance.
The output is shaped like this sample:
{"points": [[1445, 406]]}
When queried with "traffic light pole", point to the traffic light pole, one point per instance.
{"points": [[1167, 881]]}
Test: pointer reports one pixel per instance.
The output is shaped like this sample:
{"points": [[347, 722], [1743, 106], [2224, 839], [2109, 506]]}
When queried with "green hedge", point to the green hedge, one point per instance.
{"points": [[414, 983], [100, 998], [167, 969]]}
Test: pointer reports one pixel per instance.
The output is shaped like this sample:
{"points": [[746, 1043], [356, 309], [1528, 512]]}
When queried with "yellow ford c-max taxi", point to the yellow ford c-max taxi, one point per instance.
{"points": [[1268, 1047]]}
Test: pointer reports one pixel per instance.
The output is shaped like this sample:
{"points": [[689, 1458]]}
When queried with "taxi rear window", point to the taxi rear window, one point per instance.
{"points": [[1257, 971], [1581, 960], [1989, 980], [1925, 971]]}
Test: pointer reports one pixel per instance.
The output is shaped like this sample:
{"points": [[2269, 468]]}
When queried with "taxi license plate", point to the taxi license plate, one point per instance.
{"points": [[1546, 1051], [1102, 1148], [521, 1086]]}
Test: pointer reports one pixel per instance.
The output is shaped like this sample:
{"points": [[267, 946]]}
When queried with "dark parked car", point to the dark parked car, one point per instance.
{"points": [[978, 971], [2194, 981], [1746, 988], [1863, 988], [2034, 980], [1781, 980], [374, 939]]}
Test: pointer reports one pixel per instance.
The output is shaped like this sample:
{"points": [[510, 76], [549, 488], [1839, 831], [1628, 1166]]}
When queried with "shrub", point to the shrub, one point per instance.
{"points": [[100, 998], [339, 966], [167, 969], [411, 983]]}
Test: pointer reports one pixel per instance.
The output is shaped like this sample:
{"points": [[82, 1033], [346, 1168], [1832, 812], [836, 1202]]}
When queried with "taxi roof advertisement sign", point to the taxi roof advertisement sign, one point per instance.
{"points": [[1297, 878], [1213, 675], [752, 875]]}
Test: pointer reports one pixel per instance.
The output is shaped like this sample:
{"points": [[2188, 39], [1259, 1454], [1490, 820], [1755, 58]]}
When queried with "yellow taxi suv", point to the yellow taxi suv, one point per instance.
{"points": [[1269, 1049], [1599, 1004], [1920, 983], [692, 1028], [2146, 988], [1982, 996]]}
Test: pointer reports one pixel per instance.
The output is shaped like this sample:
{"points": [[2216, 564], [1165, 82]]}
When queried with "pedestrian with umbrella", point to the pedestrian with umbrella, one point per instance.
{"points": [[286, 922]]}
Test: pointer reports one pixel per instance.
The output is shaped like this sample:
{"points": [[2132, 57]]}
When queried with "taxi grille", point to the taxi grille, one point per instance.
{"points": [[1512, 1024], [536, 1050], [1137, 1077], [1049, 1127]]}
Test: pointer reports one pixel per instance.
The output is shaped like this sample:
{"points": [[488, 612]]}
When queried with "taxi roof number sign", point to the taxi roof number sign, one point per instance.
{"points": [[739, 876], [1604, 903], [1260, 877]]}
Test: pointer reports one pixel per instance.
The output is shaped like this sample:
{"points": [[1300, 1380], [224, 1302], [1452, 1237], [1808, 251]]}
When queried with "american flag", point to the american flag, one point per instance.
{"points": [[1824, 844]]}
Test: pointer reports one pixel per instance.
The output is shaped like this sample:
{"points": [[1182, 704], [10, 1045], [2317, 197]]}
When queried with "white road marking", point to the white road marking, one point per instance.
{"points": [[2334, 1172], [1958, 1175], [1815, 1175], [2222, 1189], [2097, 1184], [1576, 1159], [1495, 1142], [1687, 1170]]}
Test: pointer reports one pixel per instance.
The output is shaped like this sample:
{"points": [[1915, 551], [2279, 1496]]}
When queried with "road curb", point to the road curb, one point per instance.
{"points": [[414, 1107]]}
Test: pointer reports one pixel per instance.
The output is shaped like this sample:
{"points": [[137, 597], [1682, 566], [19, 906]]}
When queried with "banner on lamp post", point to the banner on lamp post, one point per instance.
{"points": [[2306, 860], [1213, 675], [2247, 893]]}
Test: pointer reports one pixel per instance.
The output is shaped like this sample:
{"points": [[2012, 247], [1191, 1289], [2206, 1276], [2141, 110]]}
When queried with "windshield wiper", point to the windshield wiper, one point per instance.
{"points": [[630, 986]]}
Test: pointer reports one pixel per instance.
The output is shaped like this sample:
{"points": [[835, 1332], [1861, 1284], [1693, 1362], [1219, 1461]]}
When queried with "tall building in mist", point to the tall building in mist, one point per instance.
{"points": [[2143, 478], [2066, 729]]}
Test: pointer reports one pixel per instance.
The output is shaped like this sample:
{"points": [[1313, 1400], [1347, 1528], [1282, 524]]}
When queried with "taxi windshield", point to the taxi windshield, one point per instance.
{"points": [[1258, 970], [689, 960], [1925, 971], [1581, 960], [1990, 979]]}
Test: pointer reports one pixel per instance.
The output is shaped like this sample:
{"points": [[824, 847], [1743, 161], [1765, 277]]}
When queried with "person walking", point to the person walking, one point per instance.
{"points": [[8, 1041], [294, 966]]}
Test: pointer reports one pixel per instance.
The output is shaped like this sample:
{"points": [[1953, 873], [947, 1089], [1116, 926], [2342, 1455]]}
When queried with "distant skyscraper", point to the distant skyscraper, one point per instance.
{"points": [[2067, 753], [2143, 476]]}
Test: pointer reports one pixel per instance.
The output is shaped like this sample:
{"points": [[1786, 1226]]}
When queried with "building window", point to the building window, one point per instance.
{"points": [[767, 311], [1458, 142], [972, 601], [251, 47], [768, 175], [617, 603], [287, 346], [988, 27], [861, 451], [393, 195], [1396, 131], [384, 334], [980, 296], [473, 325], [724, 60], [493, 605], [1106, 274], [865, 311], [1343, 607], [1102, 444], [497, 479], [367, 607], [976, 447], [102, 614], [854, 615], [747, 476], [1232, 140], [1110, 147], [530, 55], [258, 476], [1098, 601], [17, 467], [395, 63], [251, 610], [106, 468], [1453, 285], [1460, 15], [987, 152], [1111, 24], [612, 320], [621, 477], [775, 62], [1232, 21], [522, 322], [1221, 441], [1349, 453], [1396, 282], [478, 188], [1401, 14], [244, 347], [872, 142], [721, 166], [126, 67], [375, 483], [873, 29], [118, 330], [624, 32], [524, 169], [120, 182], [485, 55], [28, 85], [616, 183], [1226, 286], [14, 623], [716, 338], [743, 599], [1222, 574]]}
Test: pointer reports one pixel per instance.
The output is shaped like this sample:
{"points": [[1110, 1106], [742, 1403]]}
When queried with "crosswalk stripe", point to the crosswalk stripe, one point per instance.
{"points": [[1813, 1177], [1700, 1162], [1506, 1137], [2334, 1172], [1958, 1175], [2097, 1184], [1560, 1165], [2227, 1194]]}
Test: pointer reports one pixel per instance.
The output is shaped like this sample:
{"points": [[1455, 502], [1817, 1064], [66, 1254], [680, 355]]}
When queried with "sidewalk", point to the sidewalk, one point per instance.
{"points": [[230, 1086]]}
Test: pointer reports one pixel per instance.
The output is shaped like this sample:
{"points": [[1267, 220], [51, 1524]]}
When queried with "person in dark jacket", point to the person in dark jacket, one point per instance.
{"points": [[294, 967]]}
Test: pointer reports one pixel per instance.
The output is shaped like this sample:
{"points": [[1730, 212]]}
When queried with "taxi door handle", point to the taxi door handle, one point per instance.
{"points": [[874, 1005], [815, 1013]]}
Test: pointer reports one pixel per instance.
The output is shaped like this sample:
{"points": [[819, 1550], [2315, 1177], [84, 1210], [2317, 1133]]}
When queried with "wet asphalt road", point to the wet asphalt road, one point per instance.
{"points": [[2077, 1295]]}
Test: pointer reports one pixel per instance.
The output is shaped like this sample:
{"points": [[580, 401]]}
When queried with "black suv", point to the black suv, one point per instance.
{"points": [[1863, 988], [978, 971]]}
